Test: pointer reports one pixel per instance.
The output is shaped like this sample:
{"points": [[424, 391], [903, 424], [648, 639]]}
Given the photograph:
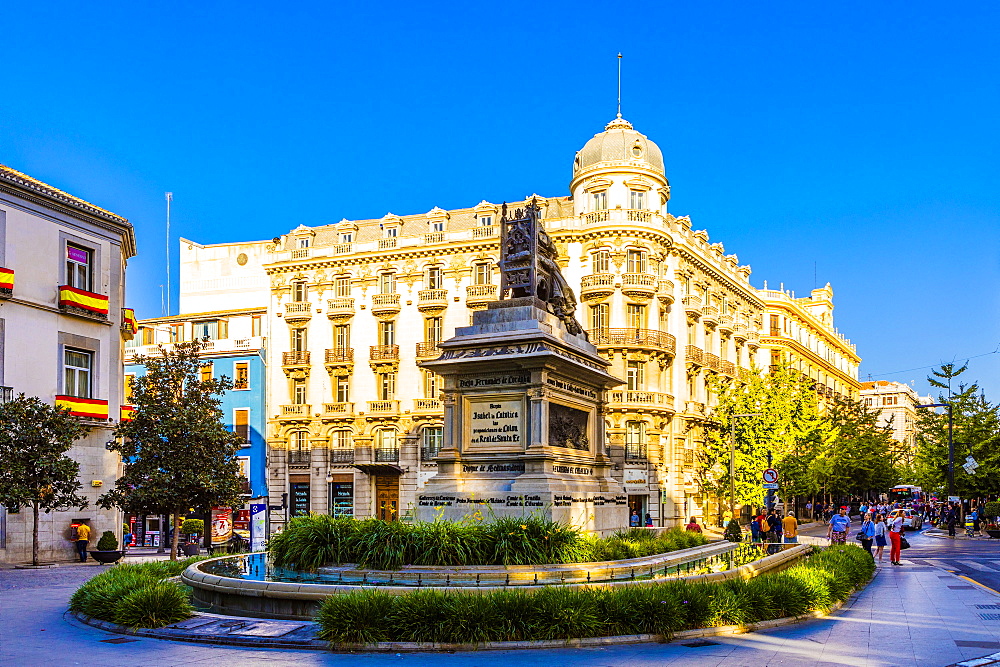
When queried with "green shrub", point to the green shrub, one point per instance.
{"points": [[108, 542], [556, 612], [153, 606], [991, 510], [103, 596], [193, 527]]}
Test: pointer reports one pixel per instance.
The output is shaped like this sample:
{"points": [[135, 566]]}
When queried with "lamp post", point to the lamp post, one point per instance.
{"points": [[732, 457], [951, 445]]}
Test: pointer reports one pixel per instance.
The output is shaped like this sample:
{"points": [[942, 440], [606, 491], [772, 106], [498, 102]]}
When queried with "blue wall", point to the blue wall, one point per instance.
{"points": [[251, 399]]}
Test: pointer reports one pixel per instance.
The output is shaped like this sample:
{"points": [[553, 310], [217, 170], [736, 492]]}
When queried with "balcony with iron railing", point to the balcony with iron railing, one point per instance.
{"points": [[385, 304], [694, 355], [386, 454], [383, 407], [296, 358], [692, 304], [384, 353], [633, 338], [711, 361], [727, 368], [597, 286], [428, 350], [484, 232], [298, 311], [432, 300], [342, 455], [299, 456], [480, 294], [635, 451], [429, 453], [340, 308]]}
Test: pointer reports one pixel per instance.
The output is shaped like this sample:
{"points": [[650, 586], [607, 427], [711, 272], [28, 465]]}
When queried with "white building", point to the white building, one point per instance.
{"points": [[61, 334], [896, 404]]}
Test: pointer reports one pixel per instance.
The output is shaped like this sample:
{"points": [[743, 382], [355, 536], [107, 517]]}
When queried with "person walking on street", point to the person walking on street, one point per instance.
{"points": [[895, 535], [790, 528], [693, 526], [754, 530], [867, 534], [840, 523], [951, 519], [82, 540], [880, 536]]}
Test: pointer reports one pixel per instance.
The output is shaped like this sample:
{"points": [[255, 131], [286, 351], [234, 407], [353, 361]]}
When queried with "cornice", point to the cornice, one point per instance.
{"points": [[812, 356], [817, 328]]}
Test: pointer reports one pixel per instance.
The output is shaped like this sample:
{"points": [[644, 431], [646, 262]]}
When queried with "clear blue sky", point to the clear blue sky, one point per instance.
{"points": [[857, 138]]}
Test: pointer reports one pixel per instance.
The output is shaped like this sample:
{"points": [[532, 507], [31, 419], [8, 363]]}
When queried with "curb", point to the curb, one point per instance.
{"points": [[991, 659], [431, 647]]}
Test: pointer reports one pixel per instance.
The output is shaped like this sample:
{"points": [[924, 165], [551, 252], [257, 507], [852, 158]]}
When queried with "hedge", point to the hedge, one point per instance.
{"points": [[310, 542], [826, 577]]}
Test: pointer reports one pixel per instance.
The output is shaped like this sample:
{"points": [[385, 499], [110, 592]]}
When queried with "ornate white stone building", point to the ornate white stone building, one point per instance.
{"points": [[354, 424]]}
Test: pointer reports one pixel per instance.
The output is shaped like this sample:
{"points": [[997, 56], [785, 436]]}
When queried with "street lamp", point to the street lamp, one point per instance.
{"points": [[951, 445], [732, 458]]}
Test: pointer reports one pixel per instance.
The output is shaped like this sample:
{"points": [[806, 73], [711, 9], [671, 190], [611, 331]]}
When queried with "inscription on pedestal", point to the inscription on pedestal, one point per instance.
{"points": [[496, 424]]}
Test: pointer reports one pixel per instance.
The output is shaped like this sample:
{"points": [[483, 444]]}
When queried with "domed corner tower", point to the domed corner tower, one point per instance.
{"points": [[618, 176]]}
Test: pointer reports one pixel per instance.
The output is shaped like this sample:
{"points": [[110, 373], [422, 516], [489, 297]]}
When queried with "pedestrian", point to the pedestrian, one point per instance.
{"points": [[693, 526], [895, 536], [634, 519], [790, 528], [765, 528], [126, 542], [649, 520], [867, 533], [840, 523], [82, 540], [754, 530], [880, 536], [774, 530], [951, 519]]}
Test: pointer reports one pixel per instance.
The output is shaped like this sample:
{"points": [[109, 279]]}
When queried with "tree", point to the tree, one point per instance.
{"points": [[177, 453], [976, 433], [34, 468], [788, 426], [863, 457]]}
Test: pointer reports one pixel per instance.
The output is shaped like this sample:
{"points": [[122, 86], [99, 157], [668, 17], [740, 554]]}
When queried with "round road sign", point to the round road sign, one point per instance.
{"points": [[770, 476]]}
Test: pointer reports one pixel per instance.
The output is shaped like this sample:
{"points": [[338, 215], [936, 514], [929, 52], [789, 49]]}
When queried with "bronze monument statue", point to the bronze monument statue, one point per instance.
{"points": [[528, 266]]}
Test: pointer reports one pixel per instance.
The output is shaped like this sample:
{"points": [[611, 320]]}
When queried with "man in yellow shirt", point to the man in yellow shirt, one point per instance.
{"points": [[82, 540], [790, 528]]}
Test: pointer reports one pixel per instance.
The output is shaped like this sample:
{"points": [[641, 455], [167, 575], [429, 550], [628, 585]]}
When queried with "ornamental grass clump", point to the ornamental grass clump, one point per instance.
{"points": [[136, 594], [555, 612]]}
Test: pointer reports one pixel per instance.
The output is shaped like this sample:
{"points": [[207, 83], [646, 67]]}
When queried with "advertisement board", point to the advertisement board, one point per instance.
{"points": [[222, 525], [258, 526]]}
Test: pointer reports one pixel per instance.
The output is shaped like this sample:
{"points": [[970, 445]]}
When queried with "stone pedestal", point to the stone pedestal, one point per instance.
{"points": [[524, 425]]}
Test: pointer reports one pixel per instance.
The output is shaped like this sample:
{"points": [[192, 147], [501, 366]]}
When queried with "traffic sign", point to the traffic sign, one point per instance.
{"points": [[954, 499], [770, 485], [770, 476]]}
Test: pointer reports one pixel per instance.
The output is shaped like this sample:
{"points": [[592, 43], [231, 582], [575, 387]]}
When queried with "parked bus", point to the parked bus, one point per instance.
{"points": [[905, 493]]}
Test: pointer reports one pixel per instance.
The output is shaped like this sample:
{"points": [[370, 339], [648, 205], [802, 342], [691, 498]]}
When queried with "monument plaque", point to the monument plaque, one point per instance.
{"points": [[524, 393]]}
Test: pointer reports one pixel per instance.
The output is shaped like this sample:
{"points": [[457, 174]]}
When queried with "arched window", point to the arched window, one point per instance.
{"points": [[298, 447]]}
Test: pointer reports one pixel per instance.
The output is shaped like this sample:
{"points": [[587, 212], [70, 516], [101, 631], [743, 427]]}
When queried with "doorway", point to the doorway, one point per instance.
{"points": [[387, 497], [638, 505]]}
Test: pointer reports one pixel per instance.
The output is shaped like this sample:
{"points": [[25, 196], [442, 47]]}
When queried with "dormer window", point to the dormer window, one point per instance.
{"points": [[485, 220], [347, 237], [637, 151], [637, 199], [391, 232], [437, 226], [304, 242], [601, 200]]}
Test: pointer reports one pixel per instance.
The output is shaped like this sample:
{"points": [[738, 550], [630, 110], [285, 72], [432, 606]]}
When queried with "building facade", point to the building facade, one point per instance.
{"points": [[800, 332], [354, 423], [896, 404], [236, 344], [62, 326]]}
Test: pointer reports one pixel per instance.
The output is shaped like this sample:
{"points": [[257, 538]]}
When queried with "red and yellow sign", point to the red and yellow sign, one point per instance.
{"points": [[127, 413], [89, 408], [6, 278], [129, 323], [78, 298]]}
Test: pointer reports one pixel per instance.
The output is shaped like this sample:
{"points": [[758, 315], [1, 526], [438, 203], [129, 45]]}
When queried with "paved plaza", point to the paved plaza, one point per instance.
{"points": [[923, 613]]}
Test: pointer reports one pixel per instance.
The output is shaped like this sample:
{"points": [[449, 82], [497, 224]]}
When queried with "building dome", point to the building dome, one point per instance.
{"points": [[619, 142]]}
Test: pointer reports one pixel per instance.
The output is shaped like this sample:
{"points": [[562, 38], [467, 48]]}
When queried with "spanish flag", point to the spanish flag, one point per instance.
{"points": [[127, 413], [7, 279], [78, 298], [90, 408], [128, 321]]}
